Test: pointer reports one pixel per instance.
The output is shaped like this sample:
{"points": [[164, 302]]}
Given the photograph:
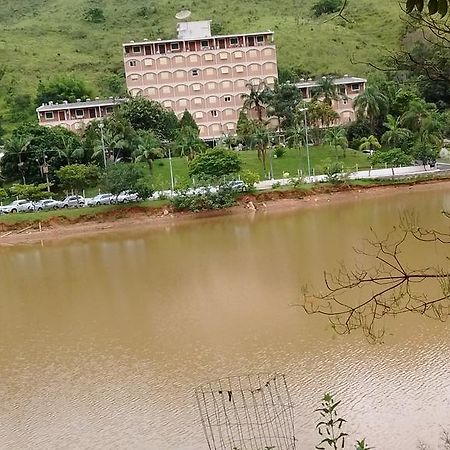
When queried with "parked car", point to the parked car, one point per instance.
{"points": [[237, 185], [47, 204], [102, 199], [18, 206], [73, 201], [127, 196]]}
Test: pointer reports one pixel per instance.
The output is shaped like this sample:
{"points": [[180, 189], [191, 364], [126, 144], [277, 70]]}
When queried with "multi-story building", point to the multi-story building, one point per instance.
{"points": [[348, 88], [204, 74], [75, 116]]}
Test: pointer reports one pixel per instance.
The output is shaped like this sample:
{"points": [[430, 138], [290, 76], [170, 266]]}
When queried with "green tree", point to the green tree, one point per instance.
{"points": [[282, 103], [395, 135], [113, 84], [326, 90], [188, 121], [15, 155], [394, 157], [149, 115], [62, 88], [32, 192], [260, 140], [327, 7], [369, 143], [149, 148], [245, 127], [126, 176], [255, 99], [187, 143], [215, 164], [335, 137], [94, 15], [418, 111], [373, 103], [77, 177]]}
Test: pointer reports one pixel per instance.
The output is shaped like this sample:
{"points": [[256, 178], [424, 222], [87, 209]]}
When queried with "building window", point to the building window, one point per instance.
{"points": [[147, 62], [183, 102], [239, 69], [204, 44], [223, 55], [225, 69], [345, 101], [49, 115], [166, 89], [211, 86], [238, 54], [194, 72], [260, 39], [227, 98], [79, 113], [234, 41], [196, 87], [215, 113], [193, 58], [175, 46], [136, 49], [133, 63], [197, 101], [355, 87], [226, 84], [198, 115], [209, 57]]}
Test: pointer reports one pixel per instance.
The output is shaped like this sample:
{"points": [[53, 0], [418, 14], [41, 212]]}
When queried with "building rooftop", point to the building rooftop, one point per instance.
{"points": [[194, 30], [178, 39], [80, 104], [338, 81]]}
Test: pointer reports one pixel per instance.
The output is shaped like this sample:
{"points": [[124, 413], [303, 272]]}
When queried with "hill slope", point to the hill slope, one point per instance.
{"points": [[40, 39]]}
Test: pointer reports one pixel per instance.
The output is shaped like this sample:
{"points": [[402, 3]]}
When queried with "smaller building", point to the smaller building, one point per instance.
{"points": [[75, 116], [348, 88]]}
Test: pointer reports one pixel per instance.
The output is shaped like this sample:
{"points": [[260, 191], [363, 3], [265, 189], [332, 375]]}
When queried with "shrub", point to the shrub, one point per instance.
{"points": [[327, 7], [94, 15], [250, 179], [279, 151], [221, 198], [334, 173]]}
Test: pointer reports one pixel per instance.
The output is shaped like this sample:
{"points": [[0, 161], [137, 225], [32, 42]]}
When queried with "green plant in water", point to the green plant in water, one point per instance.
{"points": [[330, 425]]}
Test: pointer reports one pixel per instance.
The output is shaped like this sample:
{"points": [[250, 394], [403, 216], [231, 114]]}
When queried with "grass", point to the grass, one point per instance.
{"points": [[41, 39], [293, 162]]}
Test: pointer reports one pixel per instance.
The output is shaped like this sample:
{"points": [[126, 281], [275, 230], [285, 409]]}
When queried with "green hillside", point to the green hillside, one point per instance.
{"points": [[40, 39]]}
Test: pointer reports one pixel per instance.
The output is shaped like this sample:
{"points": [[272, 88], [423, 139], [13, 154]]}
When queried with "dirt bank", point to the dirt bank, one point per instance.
{"points": [[58, 227]]}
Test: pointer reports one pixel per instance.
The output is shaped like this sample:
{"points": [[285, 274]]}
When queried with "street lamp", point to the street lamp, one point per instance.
{"points": [[303, 110], [101, 125], [172, 184]]}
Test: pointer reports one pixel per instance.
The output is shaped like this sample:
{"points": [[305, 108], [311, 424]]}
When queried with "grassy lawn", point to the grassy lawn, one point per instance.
{"points": [[73, 212], [293, 161]]}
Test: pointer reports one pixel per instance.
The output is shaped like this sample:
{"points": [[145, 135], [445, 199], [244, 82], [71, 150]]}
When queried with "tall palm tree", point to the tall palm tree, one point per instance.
{"points": [[336, 137], [369, 143], [326, 90], [255, 99], [395, 135], [18, 146], [261, 141], [148, 149], [114, 142], [69, 151], [418, 111], [296, 135], [373, 103], [187, 143]]}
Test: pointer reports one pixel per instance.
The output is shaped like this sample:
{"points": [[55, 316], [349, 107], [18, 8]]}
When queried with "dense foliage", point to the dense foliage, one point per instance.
{"points": [[215, 163]]}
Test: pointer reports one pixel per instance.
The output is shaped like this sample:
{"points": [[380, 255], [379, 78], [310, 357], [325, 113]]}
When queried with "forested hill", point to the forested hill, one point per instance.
{"points": [[41, 39]]}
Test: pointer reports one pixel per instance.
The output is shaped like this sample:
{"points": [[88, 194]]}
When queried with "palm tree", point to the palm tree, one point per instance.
{"points": [[395, 135], [68, 151], [296, 135], [418, 111], [148, 148], [255, 99], [369, 143], [326, 90], [336, 137], [18, 146], [372, 103], [187, 142], [114, 142], [261, 140]]}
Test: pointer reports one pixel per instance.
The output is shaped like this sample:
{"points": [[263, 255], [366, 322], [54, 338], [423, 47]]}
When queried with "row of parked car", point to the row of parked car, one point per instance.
{"points": [[77, 201], [71, 201]]}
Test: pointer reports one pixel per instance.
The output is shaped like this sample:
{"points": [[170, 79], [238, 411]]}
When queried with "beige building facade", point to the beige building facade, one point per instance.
{"points": [[201, 73], [75, 116], [347, 87]]}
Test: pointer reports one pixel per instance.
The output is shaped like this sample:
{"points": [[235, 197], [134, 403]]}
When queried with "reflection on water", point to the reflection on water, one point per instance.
{"points": [[103, 340]]}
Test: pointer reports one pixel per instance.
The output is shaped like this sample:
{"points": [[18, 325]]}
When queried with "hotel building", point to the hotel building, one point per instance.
{"points": [[348, 88], [204, 74], [75, 116]]}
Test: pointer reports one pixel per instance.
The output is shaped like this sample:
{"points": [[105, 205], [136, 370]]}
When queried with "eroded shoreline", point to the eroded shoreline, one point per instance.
{"points": [[138, 217]]}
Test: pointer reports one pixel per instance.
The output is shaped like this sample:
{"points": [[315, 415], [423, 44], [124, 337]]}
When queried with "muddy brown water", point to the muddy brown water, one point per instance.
{"points": [[103, 339]]}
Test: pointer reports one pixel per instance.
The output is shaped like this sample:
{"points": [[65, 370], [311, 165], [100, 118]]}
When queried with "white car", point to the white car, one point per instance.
{"points": [[47, 204], [127, 196], [18, 206], [73, 201], [102, 199]]}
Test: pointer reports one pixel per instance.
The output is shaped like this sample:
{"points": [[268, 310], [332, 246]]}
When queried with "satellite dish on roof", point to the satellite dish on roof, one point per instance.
{"points": [[183, 14]]}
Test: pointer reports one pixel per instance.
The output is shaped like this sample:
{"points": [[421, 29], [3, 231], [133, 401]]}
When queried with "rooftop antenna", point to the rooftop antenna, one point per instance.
{"points": [[183, 14]]}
